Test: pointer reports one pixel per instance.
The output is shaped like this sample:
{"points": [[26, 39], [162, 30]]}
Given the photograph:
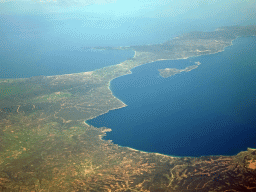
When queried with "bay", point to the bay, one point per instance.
{"points": [[210, 110]]}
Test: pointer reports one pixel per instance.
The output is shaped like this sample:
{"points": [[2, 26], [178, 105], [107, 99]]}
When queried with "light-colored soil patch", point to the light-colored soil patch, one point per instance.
{"points": [[252, 164]]}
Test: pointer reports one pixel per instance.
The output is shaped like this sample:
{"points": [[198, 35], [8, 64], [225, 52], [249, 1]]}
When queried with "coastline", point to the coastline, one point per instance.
{"points": [[124, 105], [130, 72], [48, 143], [128, 65]]}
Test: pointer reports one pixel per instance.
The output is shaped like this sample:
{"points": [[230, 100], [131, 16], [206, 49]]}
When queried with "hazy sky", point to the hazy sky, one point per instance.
{"points": [[132, 8], [140, 21]]}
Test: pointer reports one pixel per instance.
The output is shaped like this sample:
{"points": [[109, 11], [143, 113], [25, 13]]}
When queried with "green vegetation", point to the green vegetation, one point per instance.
{"points": [[6, 90], [45, 146], [16, 88], [53, 97]]}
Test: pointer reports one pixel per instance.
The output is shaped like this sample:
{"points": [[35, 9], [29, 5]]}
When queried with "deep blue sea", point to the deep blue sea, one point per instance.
{"points": [[208, 111]]}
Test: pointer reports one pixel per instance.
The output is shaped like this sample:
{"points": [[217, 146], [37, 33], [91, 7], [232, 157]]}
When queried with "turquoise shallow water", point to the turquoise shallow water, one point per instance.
{"points": [[208, 111]]}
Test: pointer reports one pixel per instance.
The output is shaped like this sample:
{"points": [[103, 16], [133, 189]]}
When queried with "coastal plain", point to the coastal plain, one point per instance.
{"points": [[46, 145]]}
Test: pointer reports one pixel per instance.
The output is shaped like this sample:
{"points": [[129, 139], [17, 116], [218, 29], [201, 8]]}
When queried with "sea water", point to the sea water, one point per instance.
{"points": [[33, 45], [210, 110], [27, 62]]}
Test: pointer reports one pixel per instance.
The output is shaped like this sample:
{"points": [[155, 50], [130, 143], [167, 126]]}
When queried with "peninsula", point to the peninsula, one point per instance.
{"points": [[46, 145]]}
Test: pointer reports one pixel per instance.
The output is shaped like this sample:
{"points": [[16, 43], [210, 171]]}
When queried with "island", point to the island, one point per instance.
{"points": [[167, 72], [45, 144]]}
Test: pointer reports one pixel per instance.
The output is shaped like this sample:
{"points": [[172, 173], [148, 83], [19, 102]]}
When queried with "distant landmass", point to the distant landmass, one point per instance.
{"points": [[46, 145], [167, 72]]}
